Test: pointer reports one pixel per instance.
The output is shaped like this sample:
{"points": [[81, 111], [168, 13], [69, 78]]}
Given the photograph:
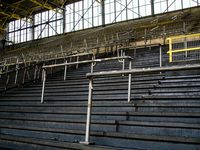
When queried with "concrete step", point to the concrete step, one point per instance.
{"points": [[81, 93], [183, 117], [22, 143], [169, 96], [96, 86], [182, 77], [149, 107], [99, 137], [135, 127], [135, 102], [175, 90]]}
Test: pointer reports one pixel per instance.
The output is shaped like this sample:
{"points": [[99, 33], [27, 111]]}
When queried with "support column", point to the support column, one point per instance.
{"points": [[64, 20], [33, 28], [152, 8], [103, 12]]}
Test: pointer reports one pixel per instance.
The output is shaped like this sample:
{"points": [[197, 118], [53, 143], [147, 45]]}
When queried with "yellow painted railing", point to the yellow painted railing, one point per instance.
{"points": [[183, 43]]}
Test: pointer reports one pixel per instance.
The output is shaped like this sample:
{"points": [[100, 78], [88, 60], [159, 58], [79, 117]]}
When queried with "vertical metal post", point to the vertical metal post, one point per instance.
{"points": [[92, 64], [86, 45], [160, 55], [115, 12], [52, 68], [77, 60], [70, 60], [8, 76], [103, 12], [28, 76], [97, 47], [64, 20], [32, 28], [7, 81], [4, 66], [35, 72], [105, 40], [43, 84], [83, 13], [181, 4], [61, 48], [1, 70], [135, 51], [92, 67], [65, 71], [123, 61], [164, 35], [152, 7], [55, 62], [145, 36], [170, 50], [89, 109], [138, 2], [129, 81], [38, 73], [117, 35], [16, 72], [185, 39], [126, 10], [24, 75]]}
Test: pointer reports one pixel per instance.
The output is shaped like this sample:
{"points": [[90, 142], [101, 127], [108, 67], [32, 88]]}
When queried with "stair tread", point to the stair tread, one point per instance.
{"points": [[111, 134], [110, 122], [170, 114], [52, 143]]}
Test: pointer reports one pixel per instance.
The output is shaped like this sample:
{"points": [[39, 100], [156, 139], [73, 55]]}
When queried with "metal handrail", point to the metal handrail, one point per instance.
{"points": [[7, 69], [143, 70], [69, 56], [50, 59], [87, 61], [4, 67], [140, 46], [91, 76], [16, 71], [13, 70], [44, 74], [12, 64], [184, 39]]}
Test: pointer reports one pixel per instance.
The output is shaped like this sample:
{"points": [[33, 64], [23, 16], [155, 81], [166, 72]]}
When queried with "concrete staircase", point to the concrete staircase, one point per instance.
{"points": [[164, 112]]}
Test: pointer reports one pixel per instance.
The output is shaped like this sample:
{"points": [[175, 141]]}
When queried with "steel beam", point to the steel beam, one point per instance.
{"points": [[18, 2], [15, 16], [2, 28], [45, 5], [16, 6]]}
